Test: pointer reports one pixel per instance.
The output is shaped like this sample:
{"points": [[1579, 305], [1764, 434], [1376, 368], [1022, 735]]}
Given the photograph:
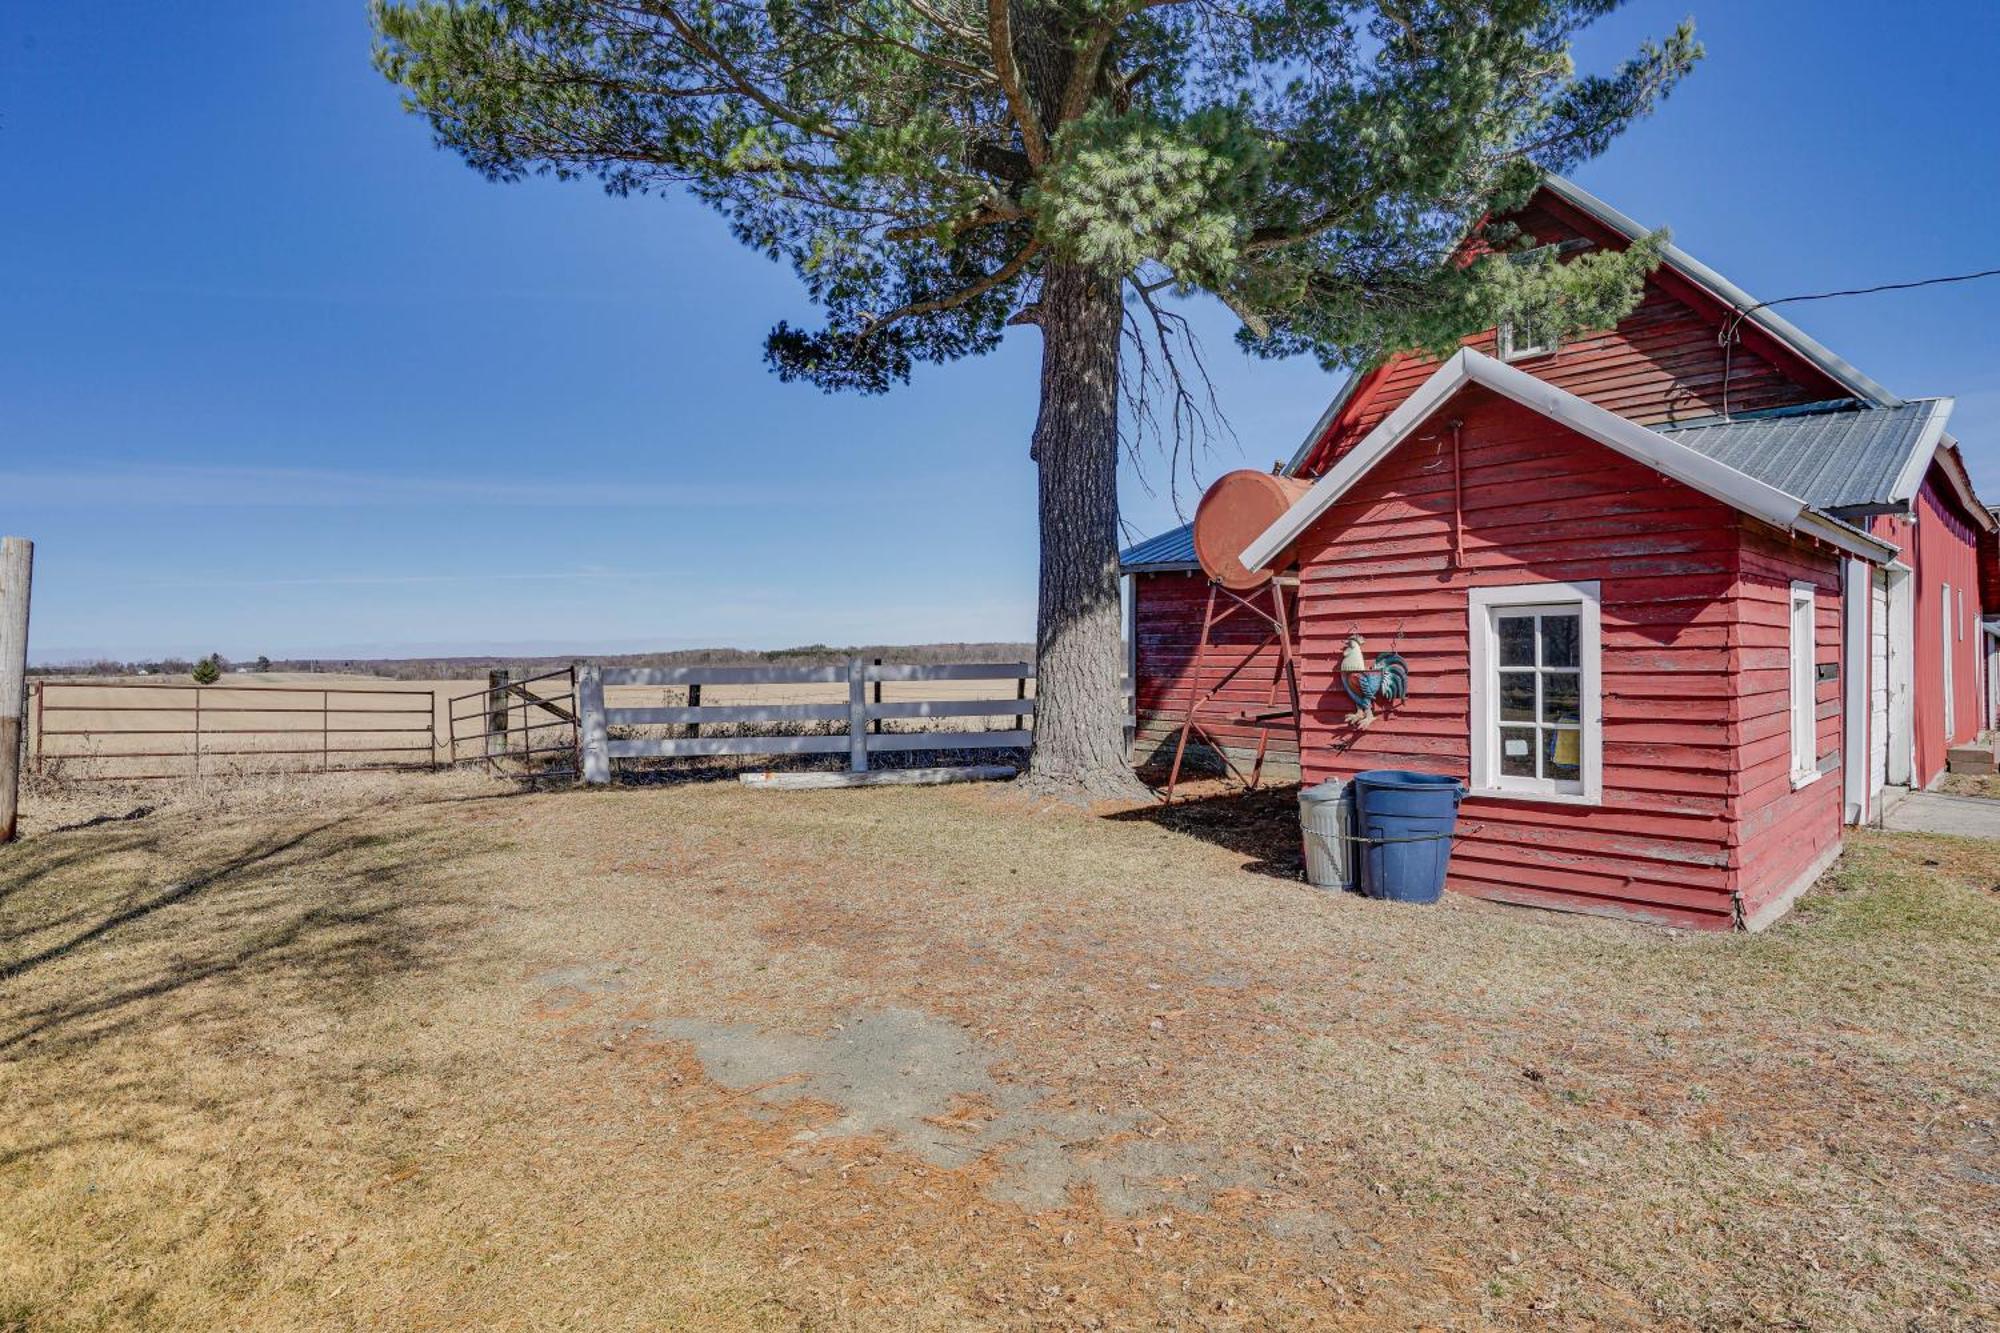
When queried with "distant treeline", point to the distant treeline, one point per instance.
{"points": [[468, 668]]}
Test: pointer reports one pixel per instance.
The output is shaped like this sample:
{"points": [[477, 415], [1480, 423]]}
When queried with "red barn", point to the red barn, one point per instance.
{"points": [[1679, 599]]}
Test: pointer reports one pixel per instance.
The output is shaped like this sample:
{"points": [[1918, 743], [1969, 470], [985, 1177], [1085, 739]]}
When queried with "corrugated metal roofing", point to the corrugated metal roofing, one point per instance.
{"points": [[1830, 460], [1169, 550]]}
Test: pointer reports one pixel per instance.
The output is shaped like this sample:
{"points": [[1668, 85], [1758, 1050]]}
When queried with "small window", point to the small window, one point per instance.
{"points": [[1535, 710], [1520, 343], [1805, 686]]}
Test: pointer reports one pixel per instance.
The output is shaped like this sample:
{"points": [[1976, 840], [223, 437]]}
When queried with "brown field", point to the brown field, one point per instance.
{"points": [[135, 732], [427, 1052]]}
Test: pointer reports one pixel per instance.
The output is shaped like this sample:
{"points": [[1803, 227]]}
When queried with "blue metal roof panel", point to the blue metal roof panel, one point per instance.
{"points": [[1169, 550], [1830, 460]]}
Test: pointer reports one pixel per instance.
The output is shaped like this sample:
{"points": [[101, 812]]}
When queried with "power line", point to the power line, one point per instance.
{"points": [[1728, 335], [1870, 291]]}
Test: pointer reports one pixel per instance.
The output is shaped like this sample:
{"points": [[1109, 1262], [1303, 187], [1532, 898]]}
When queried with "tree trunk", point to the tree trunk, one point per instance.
{"points": [[1079, 710]]}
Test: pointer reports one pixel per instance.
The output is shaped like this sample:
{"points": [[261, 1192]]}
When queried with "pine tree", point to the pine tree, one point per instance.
{"points": [[938, 170], [208, 670]]}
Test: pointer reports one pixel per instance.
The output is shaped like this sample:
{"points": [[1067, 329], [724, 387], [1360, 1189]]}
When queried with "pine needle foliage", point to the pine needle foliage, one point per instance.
{"points": [[1316, 165]]}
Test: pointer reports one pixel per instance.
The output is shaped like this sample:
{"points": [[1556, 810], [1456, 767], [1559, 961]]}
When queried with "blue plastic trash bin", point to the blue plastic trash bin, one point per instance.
{"points": [[1404, 822]]}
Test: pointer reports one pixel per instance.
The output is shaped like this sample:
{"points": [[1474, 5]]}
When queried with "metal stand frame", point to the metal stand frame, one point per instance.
{"points": [[1277, 623]]}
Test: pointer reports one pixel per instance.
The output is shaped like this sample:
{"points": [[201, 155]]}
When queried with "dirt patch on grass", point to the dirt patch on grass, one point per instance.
{"points": [[704, 1057]]}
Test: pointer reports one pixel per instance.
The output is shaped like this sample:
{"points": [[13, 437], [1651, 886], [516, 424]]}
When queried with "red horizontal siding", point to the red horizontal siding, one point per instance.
{"points": [[1693, 649], [1167, 618], [1664, 362], [1783, 830]]}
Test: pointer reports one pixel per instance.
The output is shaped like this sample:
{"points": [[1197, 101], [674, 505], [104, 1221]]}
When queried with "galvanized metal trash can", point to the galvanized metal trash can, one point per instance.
{"points": [[1326, 819]]}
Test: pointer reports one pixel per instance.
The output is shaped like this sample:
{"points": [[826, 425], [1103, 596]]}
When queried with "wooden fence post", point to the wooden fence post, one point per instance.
{"points": [[875, 723], [497, 711], [596, 736], [17, 559], [857, 716], [694, 701]]}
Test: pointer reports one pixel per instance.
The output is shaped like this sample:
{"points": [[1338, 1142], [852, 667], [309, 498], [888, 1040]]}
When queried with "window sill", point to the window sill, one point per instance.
{"points": [[1537, 797], [1806, 779]]}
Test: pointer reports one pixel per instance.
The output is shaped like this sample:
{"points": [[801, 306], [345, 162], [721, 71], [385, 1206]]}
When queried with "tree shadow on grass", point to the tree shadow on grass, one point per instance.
{"points": [[1261, 825], [315, 915]]}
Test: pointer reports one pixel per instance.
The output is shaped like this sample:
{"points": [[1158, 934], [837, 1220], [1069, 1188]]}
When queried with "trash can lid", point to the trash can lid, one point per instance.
{"points": [[1393, 778], [1330, 790]]}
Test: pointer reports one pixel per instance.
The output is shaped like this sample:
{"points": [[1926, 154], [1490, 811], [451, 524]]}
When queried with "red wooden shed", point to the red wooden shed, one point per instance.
{"points": [[1679, 599]]}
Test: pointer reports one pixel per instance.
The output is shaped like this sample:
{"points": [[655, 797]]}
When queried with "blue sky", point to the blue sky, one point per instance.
{"points": [[277, 376]]}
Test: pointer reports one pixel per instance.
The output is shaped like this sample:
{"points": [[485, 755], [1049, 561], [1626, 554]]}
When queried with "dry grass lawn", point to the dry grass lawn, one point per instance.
{"points": [[426, 1053]]}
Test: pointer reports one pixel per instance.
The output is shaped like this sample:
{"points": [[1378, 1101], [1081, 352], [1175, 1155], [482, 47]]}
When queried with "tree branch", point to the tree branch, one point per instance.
{"points": [[1083, 74], [1000, 33], [743, 84], [1004, 274]]}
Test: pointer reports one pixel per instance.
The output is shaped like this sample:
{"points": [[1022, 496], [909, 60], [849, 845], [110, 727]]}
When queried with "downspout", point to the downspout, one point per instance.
{"points": [[1457, 501]]}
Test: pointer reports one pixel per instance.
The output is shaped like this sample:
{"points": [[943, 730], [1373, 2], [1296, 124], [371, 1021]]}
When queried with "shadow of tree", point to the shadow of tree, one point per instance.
{"points": [[1262, 825], [315, 914]]}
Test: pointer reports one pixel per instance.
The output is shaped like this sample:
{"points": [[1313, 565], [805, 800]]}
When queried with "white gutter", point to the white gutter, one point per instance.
{"points": [[1466, 367]]}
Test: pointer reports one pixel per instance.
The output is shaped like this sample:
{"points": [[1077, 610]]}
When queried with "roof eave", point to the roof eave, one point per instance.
{"points": [[1836, 367], [1910, 477], [1333, 409], [1953, 466]]}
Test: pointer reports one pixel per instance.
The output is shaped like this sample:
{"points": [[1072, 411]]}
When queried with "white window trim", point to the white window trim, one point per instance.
{"points": [[1510, 352], [1804, 678], [1486, 781]]}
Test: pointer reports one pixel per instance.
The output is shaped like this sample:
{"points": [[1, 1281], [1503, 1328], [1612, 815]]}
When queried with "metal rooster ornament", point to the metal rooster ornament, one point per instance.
{"points": [[1388, 682]]}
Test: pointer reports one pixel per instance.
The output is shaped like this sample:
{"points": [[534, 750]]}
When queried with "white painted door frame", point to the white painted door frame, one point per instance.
{"points": [[1857, 583], [1902, 644]]}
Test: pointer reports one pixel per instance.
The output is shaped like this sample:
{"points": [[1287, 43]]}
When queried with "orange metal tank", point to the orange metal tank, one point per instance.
{"points": [[1233, 513]]}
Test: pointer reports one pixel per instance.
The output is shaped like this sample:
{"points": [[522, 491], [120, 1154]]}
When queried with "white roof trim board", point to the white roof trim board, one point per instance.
{"points": [[1467, 367]]}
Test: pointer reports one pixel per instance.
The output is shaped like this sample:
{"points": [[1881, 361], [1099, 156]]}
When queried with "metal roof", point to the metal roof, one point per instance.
{"points": [[1871, 458], [1169, 550]]}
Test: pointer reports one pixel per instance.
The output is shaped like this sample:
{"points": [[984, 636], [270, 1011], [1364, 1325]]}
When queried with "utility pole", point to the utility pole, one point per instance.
{"points": [[17, 561]]}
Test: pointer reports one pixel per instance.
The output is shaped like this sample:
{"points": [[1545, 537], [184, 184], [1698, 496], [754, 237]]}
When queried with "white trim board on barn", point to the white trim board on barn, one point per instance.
{"points": [[1467, 367]]}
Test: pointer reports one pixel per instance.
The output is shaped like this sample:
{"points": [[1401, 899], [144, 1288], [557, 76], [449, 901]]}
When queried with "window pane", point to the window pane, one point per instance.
{"points": [[1517, 696], [1517, 752], [1559, 637], [1562, 754], [1517, 640], [1559, 696]]}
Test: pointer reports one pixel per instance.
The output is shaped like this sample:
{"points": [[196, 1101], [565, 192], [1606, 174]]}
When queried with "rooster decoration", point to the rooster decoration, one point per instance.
{"points": [[1388, 682]]}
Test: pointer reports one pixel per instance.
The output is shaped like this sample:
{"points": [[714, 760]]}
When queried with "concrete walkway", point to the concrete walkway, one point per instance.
{"points": [[1934, 812]]}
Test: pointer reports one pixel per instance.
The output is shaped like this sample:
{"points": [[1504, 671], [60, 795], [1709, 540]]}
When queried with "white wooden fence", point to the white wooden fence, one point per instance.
{"points": [[858, 740]]}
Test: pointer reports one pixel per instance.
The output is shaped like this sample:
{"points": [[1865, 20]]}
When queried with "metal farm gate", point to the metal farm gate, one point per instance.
{"points": [[524, 727], [132, 731]]}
